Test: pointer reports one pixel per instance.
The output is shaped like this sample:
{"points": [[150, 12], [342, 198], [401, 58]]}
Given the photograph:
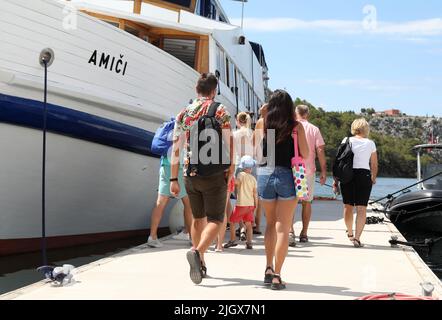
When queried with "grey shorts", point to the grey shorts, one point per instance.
{"points": [[208, 197]]}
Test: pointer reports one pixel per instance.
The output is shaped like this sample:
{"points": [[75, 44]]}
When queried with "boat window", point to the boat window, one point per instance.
{"points": [[132, 31], [213, 12], [207, 9], [115, 24], [236, 86], [156, 43], [222, 18], [227, 72], [244, 90], [210, 9], [232, 76], [182, 3], [221, 63], [183, 49], [250, 98], [431, 168], [218, 59], [239, 85]]}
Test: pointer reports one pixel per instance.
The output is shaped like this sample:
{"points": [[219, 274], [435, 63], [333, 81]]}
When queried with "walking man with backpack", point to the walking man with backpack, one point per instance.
{"points": [[204, 129]]}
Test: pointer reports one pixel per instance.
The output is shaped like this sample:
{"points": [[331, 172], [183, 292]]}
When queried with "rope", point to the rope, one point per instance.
{"points": [[374, 220], [325, 184], [390, 196], [427, 243], [337, 193]]}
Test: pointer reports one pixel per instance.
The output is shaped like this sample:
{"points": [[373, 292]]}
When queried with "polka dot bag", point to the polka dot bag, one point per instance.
{"points": [[299, 172]]}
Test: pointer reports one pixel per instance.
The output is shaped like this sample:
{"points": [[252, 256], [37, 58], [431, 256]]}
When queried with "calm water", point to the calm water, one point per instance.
{"points": [[382, 188], [18, 271]]}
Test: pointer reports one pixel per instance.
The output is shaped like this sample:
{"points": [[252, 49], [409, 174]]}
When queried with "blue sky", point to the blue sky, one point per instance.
{"points": [[334, 55]]}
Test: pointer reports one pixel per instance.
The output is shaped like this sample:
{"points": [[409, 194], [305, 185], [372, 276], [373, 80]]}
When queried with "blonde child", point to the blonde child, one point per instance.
{"points": [[247, 200]]}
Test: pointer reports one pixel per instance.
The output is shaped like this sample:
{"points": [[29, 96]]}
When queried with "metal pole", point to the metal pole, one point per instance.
{"points": [[46, 59], [419, 168], [242, 15], [43, 180]]}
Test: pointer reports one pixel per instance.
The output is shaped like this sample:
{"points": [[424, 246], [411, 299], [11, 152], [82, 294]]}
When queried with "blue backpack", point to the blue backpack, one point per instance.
{"points": [[163, 138]]}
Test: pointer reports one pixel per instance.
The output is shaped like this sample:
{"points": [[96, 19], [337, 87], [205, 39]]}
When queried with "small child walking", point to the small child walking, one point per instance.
{"points": [[247, 200]]}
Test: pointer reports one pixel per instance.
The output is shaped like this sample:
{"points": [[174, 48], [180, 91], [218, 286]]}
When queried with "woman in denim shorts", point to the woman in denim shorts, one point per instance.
{"points": [[276, 188]]}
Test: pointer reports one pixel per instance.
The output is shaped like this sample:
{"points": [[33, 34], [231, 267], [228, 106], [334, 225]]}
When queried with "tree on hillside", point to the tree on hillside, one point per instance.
{"points": [[371, 111]]}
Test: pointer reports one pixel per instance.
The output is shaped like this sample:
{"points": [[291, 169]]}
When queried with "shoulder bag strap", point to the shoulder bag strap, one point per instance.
{"points": [[295, 142], [349, 142]]}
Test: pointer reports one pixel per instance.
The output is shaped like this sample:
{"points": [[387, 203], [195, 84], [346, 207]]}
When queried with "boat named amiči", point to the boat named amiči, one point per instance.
{"points": [[121, 68]]}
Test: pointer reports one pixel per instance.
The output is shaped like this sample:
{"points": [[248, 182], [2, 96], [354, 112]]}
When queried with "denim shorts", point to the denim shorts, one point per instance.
{"points": [[276, 184]]}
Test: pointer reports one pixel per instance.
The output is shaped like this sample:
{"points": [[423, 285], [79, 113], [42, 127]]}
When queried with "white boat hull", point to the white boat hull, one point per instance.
{"points": [[93, 192], [96, 186]]}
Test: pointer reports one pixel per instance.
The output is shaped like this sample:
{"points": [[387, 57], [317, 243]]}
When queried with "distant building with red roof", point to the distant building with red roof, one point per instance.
{"points": [[389, 113]]}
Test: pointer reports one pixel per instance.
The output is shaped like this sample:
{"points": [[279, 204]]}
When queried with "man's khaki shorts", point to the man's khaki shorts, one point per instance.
{"points": [[208, 197]]}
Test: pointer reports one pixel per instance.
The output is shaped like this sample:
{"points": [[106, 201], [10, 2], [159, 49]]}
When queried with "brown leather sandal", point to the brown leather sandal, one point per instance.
{"points": [[277, 286], [268, 277]]}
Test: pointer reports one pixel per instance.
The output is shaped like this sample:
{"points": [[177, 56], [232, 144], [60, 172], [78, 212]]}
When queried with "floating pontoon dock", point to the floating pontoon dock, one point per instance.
{"points": [[328, 267]]}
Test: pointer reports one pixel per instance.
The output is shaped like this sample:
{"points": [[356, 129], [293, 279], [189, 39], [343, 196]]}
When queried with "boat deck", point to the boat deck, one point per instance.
{"points": [[327, 268]]}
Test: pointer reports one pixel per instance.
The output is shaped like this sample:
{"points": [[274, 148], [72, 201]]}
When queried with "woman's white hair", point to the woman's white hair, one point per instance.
{"points": [[360, 127]]}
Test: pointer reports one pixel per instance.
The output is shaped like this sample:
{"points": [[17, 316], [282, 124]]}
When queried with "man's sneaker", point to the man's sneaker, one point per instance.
{"points": [[181, 236], [196, 273], [292, 240], [154, 243]]}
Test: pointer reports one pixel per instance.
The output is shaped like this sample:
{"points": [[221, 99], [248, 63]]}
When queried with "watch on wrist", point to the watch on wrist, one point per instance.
{"points": [[174, 179]]}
